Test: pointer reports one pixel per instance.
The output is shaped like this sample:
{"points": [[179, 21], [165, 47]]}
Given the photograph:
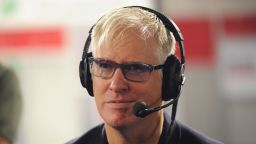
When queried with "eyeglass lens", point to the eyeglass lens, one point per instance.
{"points": [[136, 72]]}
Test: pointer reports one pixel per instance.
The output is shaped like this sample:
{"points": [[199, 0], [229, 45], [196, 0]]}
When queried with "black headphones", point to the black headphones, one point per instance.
{"points": [[173, 71]]}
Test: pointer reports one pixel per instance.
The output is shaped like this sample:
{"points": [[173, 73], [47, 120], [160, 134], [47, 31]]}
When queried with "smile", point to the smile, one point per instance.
{"points": [[120, 104], [120, 101]]}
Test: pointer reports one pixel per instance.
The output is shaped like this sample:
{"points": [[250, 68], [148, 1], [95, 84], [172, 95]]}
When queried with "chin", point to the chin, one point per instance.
{"points": [[119, 120]]}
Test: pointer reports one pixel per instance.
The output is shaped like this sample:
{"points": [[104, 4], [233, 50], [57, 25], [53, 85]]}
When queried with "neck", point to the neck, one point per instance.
{"points": [[147, 130]]}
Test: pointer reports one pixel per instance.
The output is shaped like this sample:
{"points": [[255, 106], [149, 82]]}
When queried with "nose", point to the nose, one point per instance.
{"points": [[118, 82]]}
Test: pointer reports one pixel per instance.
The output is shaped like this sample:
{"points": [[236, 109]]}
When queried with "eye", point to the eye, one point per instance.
{"points": [[136, 68], [104, 64]]}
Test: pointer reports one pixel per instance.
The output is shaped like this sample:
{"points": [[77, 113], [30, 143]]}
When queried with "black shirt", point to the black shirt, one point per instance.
{"points": [[178, 134]]}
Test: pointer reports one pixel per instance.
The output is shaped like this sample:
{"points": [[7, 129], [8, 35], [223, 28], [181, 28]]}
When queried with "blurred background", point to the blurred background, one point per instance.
{"points": [[42, 41]]}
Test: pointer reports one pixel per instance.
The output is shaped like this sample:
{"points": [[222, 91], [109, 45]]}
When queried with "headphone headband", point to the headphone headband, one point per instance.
{"points": [[171, 26]]}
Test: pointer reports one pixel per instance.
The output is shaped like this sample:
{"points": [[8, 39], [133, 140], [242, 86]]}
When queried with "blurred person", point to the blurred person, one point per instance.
{"points": [[133, 74], [10, 105]]}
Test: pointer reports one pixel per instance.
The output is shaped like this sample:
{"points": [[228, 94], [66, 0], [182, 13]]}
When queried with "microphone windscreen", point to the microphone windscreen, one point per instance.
{"points": [[138, 108]]}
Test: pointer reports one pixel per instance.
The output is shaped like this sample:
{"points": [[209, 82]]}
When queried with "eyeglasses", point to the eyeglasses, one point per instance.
{"points": [[132, 71]]}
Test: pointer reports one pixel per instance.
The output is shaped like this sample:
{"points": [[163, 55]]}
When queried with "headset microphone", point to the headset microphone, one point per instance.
{"points": [[141, 110]]}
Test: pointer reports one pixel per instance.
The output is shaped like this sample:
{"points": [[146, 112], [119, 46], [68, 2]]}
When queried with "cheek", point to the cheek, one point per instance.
{"points": [[152, 90], [99, 88]]}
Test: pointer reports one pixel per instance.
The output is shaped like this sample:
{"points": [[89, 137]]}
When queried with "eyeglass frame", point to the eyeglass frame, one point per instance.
{"points": [[122, 66]]}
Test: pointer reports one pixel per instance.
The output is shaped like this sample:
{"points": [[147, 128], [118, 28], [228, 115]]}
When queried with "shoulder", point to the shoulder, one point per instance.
{"points": [[95, 135], [10, 91], [8, 77], [184, 134], [4, 70]]}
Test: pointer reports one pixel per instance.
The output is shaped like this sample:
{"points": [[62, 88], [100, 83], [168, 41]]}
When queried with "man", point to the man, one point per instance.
{"points": [[10, 105], [130, 48]]}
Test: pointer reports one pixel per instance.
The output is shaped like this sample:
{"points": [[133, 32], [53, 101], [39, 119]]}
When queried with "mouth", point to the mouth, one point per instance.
{"points": [[120, 104], [120, 101]]}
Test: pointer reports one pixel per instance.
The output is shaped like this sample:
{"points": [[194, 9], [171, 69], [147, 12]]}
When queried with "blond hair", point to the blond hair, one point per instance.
{"points": [[113, 25]]}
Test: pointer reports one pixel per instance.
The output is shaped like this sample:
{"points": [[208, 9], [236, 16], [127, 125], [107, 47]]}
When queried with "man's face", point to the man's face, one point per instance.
{"points": [[116, 96]]}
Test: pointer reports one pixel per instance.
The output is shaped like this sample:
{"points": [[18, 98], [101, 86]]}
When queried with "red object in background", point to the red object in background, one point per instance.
{"points": [[198, 39], [31, 39], [199, 35], [240, 25]]}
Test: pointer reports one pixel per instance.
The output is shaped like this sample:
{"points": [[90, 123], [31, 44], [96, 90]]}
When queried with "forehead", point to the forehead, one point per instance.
{"points": [[130, 46]]}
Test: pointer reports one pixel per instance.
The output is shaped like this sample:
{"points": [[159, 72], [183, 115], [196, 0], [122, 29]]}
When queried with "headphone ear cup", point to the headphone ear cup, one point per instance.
{"points": [[85, 76], [171, 85], [82, 73]]}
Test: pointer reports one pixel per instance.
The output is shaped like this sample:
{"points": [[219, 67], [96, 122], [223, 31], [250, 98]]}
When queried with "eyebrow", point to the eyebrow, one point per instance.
{"points": [[126, 62]]}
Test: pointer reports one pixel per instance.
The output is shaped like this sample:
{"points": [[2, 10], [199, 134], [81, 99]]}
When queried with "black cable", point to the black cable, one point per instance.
{"points": [[171, 127]]}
